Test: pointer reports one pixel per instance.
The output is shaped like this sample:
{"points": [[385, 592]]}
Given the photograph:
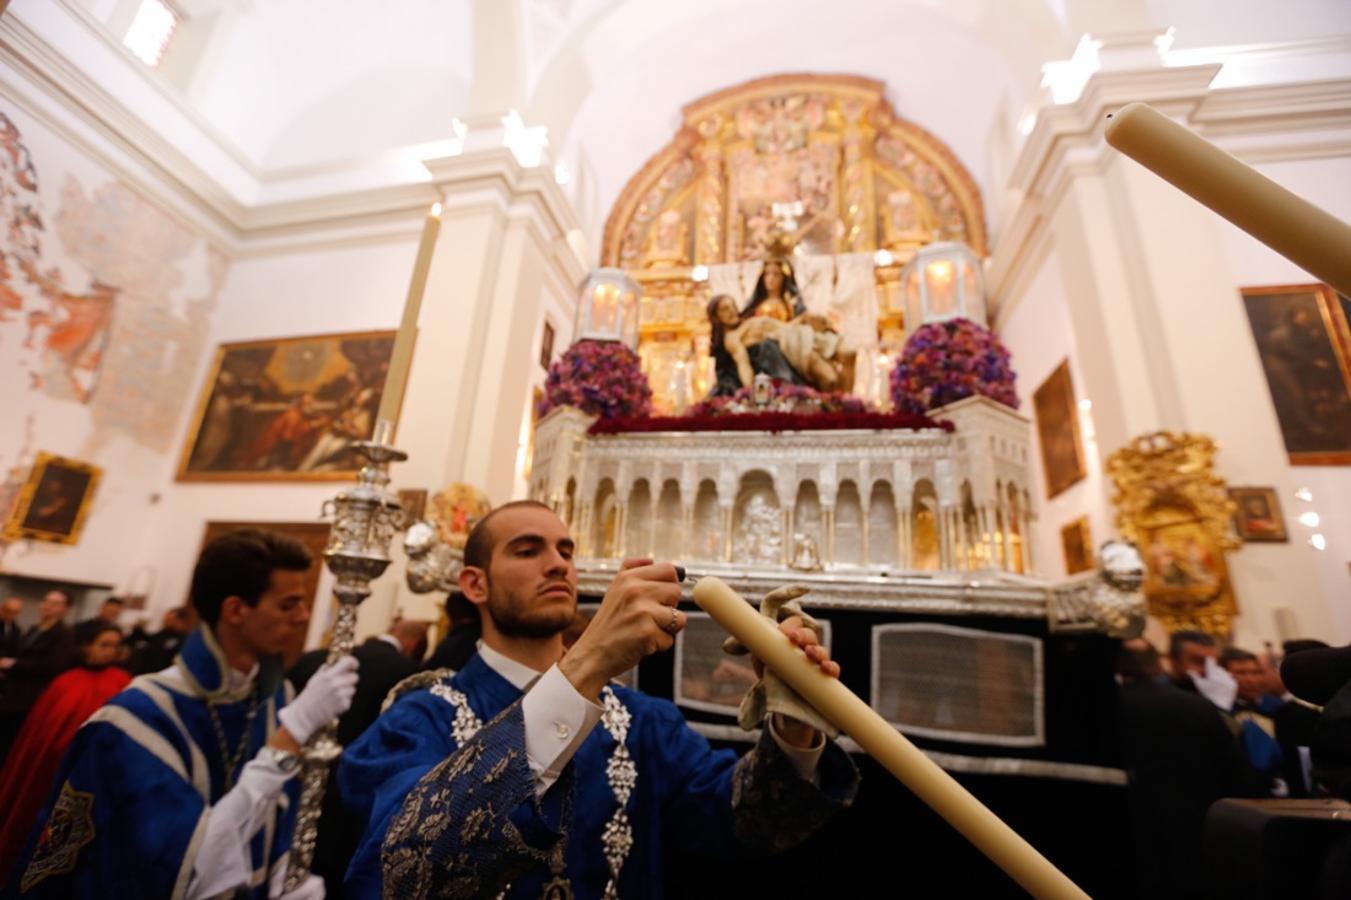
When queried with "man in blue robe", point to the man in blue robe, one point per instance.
{"points": [[183, 785], [498, 779]]}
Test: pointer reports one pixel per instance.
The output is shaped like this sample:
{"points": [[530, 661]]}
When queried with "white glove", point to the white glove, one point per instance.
{"points": [[326, 696], [1217, 685], [312, 888]]}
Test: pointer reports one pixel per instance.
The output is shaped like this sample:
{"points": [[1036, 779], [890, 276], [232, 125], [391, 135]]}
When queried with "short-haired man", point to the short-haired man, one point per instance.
{"points": [[1255, 710], [499, 780], [44, 652], [109, 612], [183, 784]]}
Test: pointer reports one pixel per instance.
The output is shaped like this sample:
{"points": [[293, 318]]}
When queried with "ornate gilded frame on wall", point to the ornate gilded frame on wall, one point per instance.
{"points": [[1170, 502], [1076, 542], [54, 501]]}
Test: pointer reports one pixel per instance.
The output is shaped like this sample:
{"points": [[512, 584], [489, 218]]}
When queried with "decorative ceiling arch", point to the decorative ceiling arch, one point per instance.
{"points": [[817, 161]]}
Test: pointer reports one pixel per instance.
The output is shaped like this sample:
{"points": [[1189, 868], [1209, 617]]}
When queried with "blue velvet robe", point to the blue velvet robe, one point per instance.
{"points": [[129, 811], [465, 821]]}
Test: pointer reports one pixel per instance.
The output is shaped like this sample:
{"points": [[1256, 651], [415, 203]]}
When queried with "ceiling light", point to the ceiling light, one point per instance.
{"points": [[1304, 494], [150, 31], [1309, 518], [1317, 541]]}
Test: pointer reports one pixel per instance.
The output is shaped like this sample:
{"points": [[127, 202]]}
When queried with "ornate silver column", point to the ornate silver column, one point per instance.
{"points": [[365, 518]]}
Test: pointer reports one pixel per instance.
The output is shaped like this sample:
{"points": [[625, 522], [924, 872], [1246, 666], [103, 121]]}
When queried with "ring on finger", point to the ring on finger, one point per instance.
{"points": [[675, 619]]}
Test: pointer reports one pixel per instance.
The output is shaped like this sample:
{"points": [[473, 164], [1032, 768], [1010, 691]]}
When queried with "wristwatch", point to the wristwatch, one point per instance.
{"points": [[286, 761]]}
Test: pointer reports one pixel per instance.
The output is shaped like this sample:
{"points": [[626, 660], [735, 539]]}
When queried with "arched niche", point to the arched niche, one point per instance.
{"points": [[973, 547], [666, 536], [638, 520], [706, 538], [882, 525], [924, 527], [605, 518], [1016, 563], [848, 525], [757, 521], [807, 515], [569, 501]]}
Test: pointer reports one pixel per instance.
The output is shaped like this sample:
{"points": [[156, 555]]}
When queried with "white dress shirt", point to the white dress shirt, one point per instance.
{"points": [[558, 719]]}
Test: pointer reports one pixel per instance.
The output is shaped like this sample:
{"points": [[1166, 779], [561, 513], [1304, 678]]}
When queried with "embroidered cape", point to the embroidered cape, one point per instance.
{"points": [[129, 810], [452, 810]]}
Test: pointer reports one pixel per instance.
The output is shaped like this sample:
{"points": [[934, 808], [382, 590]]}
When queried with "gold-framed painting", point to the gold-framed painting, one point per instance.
{"points": [[53, 502], [287, 409], [313, 535], [1077, 542], [1257, 515], [1062, 447], [1304, 344]]}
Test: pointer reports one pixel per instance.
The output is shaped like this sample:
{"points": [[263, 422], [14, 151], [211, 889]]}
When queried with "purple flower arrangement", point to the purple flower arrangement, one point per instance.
{"points": [[603, 378], [944, 362]]}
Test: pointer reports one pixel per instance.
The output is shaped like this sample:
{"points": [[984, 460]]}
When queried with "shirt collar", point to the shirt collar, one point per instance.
{"points": [[391, 640], [521, 676]]}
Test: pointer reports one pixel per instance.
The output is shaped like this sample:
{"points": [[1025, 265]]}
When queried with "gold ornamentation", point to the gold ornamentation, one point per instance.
{"points": [[68, 829], [1173, 506], [53, 502]]}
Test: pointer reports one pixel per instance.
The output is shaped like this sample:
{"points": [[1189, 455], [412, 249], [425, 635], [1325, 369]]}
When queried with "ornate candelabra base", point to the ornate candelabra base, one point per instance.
{"points": [[366, 517]]}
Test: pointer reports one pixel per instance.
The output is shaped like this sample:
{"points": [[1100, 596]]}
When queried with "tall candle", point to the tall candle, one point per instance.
{"points": [[401, 359], [1285, 222], [885, 744]]}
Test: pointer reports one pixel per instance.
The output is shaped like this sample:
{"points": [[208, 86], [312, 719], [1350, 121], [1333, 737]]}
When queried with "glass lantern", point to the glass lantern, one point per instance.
{"points": [[943, 281], [607, 308]]}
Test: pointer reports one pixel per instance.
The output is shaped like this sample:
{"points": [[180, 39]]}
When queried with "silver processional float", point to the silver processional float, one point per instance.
{"points": [[367, 516]]}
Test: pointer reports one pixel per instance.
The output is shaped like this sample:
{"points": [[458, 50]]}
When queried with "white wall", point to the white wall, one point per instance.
{"points": [[358, 287], [167, 278], [1326, 182], [1039, 335]]}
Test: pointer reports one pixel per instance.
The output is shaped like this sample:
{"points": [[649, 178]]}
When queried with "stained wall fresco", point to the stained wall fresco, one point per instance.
{"points": [[106, 303]]}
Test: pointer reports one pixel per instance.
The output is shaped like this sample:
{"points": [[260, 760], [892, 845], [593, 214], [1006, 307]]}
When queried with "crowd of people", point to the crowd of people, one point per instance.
{"points": [[182, 782], [1208, 722]]}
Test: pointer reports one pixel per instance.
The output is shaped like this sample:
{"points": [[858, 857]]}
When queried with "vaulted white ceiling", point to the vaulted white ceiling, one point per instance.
{"points": [[291, 87]]}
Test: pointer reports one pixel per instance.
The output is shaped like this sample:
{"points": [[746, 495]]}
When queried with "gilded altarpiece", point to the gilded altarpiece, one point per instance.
{"points": [[819, 167], [1170, 502]]}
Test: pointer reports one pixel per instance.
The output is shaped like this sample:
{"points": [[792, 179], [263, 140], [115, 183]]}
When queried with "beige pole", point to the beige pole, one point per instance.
{"points": [[401, 358], [885, 744], [1285, 222]]}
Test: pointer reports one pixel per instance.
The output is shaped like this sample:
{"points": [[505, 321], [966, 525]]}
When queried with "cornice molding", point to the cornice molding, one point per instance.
{"points": [[1258, 124]]}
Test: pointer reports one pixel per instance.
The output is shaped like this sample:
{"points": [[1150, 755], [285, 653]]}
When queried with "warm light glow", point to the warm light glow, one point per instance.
{"points": [[1304, 494], [883, 258], [1085, 404], [1309, 518], [1317, 541], [150, 31], [436, 210], [940, 271], [699, 274]]}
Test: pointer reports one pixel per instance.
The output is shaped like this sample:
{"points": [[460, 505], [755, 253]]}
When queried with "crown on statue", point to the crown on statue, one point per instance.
{"points": [[779, 245]]}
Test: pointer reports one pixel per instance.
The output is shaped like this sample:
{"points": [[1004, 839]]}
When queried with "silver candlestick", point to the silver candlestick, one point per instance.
{"points": [[365, 518]]}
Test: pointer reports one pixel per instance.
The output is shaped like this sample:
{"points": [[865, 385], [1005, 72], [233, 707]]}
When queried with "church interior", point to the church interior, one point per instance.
{"points": [[855, 296]]}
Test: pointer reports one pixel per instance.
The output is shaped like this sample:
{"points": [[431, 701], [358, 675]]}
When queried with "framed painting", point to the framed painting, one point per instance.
{"points": [[1257, 515], [287, 409], [54, 501], [1077, 543], [1304, 344], [314, 535], [1062, 448], [546, 346]]}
